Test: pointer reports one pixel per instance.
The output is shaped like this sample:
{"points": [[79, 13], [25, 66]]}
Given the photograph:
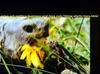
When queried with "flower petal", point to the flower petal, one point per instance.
{"points": [[25, 46], [24, 54], [28, 60], [35, 60], [41, 53]]}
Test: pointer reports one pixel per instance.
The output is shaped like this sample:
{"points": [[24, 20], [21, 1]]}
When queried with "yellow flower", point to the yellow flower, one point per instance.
{"points": [[32, 54]]}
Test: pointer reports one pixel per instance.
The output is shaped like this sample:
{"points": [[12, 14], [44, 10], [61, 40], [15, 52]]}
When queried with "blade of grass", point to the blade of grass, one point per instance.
{"points": [[1, 52], [78, 33], [82, 44], [48, 56], [5, 65], [78, 40], [27, 67]]}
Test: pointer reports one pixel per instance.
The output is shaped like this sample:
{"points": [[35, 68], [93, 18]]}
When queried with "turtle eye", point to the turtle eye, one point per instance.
{"points": [[28, 28]]}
